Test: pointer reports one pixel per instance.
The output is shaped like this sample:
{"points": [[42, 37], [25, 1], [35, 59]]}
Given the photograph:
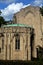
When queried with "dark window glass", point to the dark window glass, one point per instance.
{"points": [[0, 50], [2, 43], [17, 42]]}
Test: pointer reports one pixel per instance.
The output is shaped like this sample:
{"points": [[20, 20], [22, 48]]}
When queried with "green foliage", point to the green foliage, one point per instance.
{"points": [[2, 21], [0, 12], [41, 10]]}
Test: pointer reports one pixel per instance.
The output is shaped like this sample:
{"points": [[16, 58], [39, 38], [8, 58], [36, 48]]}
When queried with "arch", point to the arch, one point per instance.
{"points": [[38, 46], [29, 19], [26, 13]]}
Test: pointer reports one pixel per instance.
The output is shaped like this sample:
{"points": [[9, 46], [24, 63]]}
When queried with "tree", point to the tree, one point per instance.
{"points": [[0, 12], [2, 20], [41, 10]]}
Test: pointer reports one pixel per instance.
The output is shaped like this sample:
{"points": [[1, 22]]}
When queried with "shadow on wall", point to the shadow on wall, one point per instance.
{"points": [[32, 42], [39, 53]]}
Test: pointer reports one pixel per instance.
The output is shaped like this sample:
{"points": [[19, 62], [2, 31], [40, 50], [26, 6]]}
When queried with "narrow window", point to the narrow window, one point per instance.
{"points": [[2, 43], [0, 50], [17, 42]]}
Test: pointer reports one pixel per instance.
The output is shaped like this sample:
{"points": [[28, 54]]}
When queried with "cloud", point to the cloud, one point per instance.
{"points": [[8, 12], [38, 2]]}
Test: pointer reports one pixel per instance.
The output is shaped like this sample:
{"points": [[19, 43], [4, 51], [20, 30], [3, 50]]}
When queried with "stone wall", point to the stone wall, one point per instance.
{"points": [[9, 52], [31, 16]]}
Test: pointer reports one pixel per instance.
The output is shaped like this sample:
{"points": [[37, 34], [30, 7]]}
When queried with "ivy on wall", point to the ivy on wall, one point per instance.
{"points": [[41, 10]]}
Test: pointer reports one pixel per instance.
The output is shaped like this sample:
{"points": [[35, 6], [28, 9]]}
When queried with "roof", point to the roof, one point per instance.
{"points": [[17, 25]]}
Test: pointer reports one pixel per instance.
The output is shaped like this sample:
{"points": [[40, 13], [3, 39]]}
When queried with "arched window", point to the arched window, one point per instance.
{"points": [[2, 43], [17, 42]]}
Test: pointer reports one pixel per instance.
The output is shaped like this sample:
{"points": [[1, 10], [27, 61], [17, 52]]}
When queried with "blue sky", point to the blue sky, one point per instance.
{"points": [[3, 4], [9, 7]]}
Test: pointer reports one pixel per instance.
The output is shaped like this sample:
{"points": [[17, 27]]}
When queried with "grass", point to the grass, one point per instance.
{"points": [[21, 62]]}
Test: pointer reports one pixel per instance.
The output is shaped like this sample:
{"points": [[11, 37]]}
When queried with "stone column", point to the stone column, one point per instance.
{"points": [[1, 51], [7, 42], [35, 52], [29, 47], [8, 47], [21, 47], [11, 43], [12, 46], [4, 46]]}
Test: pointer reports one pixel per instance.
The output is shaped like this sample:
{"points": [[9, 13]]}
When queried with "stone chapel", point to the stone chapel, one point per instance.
{"points": [[21, 39]]}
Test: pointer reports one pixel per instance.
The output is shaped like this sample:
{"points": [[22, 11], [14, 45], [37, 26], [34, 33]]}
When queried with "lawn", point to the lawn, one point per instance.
{"points": [[21, 62]]}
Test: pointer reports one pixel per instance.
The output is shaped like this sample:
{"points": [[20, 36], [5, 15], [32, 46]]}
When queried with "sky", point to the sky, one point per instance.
{"points": [[10, 7]]}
